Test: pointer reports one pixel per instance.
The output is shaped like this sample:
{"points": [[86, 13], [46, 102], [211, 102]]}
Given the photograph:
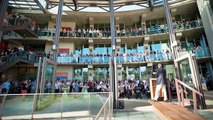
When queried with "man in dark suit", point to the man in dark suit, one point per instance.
{"points": [[161, 83]]}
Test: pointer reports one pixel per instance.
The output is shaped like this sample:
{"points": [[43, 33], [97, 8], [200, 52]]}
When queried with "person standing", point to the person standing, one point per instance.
{"points": [[204, 81], [161, 83]]}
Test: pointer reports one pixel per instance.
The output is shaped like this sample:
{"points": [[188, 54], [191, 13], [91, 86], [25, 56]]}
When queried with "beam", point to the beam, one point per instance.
{"points": [[3, 9], [104, 9], [40, 6], [118, 8], [76, 5]]}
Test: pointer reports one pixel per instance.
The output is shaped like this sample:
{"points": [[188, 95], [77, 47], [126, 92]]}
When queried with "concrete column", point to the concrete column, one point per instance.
{"points": [[117, 23], [118, 46], [139, 70], [143, 23], [207, 21], [91, 22], [91, 46], [146, 42], [90, 72], [127, 72], [119, 66]]}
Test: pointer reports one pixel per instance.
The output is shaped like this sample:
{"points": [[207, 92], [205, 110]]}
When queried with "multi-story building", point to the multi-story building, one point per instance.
{"points": [[142, 40]]}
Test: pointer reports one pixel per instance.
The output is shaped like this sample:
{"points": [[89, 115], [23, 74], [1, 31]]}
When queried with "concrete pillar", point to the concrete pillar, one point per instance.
{"points": [[91, 22], [143, 23], [118, 45], [146, 41], [119, 67], [127, 72], [207, 20], [91, 46], [117, 23], [90, 72]]}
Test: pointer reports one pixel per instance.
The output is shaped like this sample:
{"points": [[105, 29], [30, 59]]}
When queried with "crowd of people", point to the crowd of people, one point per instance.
{"points": [[11, 53], [19, 19], [133, 89], [60, 86], [146, 56], [132, 31], [17, 87]]}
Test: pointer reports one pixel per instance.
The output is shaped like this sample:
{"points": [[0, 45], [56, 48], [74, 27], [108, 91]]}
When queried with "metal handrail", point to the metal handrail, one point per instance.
{"points": [[103, 107], [180, 94], [28, 94]]}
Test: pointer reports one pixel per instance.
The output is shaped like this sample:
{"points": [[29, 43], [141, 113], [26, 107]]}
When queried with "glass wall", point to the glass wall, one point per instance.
{"points": [[133, 73], [143, 73], [141, 48], [185, 72], [132, 49], [102, 49], [78, 50], [85, 50], [170, 71], [85, 74], [78, 74], [48, 78], [101, 74]]}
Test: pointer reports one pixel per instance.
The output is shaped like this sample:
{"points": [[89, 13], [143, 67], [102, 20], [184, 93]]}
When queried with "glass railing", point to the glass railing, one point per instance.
{"points": [[120, 59], [201, 53], [19, 55], [55, 106], [156, 29]]}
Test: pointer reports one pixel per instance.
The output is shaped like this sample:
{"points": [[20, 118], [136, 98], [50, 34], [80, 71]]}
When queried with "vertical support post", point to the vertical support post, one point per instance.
{"points": [[43, 75], [3, 9], [170, 28], [113, 59], [89, 105], [2, 106], [38, 74], [172, 38], [57, 35], [177, 90], [37, 85], [110, 106], [105, 113], [182, 98], [195, 102]]}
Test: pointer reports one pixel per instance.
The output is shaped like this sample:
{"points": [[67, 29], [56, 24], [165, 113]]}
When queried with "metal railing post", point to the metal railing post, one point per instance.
{"points": [[195, 102], [2, 106], [177, 91], [62, 99], [89, 106], [110, 106], [182, 98]]}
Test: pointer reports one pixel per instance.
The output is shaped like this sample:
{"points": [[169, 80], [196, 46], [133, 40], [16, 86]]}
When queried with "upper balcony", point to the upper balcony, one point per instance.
{"points": [[126, 58], [159, 29], [20, 24]]}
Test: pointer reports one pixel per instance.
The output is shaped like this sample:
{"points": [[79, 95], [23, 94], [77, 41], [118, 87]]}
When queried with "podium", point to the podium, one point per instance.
{"points": [[152, 87]]}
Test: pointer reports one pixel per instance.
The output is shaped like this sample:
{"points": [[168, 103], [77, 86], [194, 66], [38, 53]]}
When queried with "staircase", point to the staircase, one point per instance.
{"points": [[23, 31], [171, 111], [20, 57]]}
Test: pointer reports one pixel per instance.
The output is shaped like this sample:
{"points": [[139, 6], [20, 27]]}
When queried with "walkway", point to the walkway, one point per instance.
{"points": [[135, 109]]}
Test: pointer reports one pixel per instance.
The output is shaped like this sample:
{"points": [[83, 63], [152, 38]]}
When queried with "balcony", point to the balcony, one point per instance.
{"points": [[125, 33], [12, 59], [123, 59], [128, 58]]}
